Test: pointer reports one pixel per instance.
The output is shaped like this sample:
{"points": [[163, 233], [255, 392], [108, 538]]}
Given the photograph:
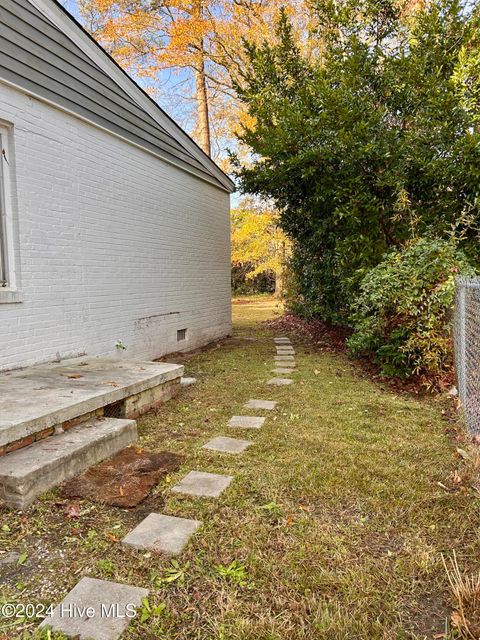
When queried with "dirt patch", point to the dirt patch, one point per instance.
{"points": [[125, 480], [179, 357]]}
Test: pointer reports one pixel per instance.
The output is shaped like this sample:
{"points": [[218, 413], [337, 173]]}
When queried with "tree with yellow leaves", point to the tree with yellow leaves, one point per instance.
{"points": [[200, 37], [258, 244]]}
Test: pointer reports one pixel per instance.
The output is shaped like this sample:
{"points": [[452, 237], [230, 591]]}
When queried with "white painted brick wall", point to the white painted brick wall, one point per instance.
{"points": [[114, 244]]}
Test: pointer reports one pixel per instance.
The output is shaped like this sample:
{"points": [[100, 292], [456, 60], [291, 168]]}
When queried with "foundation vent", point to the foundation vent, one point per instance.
{"points": [[114, 410], [181, 335]]}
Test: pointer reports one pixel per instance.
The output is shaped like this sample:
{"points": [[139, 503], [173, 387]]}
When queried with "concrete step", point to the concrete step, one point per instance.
{"points": [[28, 472]]}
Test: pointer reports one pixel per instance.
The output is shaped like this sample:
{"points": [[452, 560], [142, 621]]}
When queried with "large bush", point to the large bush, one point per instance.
{"points": [[367, 139], [402, 315]]}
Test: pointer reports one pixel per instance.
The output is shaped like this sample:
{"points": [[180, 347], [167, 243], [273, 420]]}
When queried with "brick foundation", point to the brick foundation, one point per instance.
{"points": [[132, 407], [141, 403]]}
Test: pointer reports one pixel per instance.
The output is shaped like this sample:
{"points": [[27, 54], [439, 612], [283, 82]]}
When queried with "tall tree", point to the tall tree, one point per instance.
{"points": [[198, 40]]}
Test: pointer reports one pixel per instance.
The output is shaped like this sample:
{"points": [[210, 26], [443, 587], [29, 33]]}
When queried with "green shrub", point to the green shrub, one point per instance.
{"points": [[402, 314]]}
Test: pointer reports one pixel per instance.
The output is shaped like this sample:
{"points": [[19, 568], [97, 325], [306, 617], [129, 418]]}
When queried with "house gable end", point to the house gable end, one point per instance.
{"points": [[46, 53]]}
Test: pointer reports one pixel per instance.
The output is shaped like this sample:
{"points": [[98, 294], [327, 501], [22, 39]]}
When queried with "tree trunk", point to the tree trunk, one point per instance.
{"points": [[201, 96], [201, 93], [278, 283]]}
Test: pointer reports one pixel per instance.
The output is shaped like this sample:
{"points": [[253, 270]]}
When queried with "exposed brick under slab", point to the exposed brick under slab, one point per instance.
{"points": [[131, 407]]}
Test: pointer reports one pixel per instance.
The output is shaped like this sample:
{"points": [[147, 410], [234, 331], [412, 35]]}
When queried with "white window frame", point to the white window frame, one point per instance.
{"points": [[8, 274]]}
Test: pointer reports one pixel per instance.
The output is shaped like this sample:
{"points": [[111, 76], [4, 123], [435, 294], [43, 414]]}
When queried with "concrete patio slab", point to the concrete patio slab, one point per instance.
{"points": [[227, 445], [40, 397], [266, 405], [96, 609], [203, 485], [162, 534], [284, 370], [246, 422], [280, 382], [284, 358]]}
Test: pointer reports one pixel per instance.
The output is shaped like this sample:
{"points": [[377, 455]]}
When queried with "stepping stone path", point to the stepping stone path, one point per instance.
{"points": [[96, 609], [267, 405], [163, 534], [246, 422], [101, 610], [203, 485], [280, 382], [227, 445], [284, 361]]}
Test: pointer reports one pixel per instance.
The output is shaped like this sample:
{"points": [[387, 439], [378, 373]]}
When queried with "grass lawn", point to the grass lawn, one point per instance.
{"points": [[333, 528]]}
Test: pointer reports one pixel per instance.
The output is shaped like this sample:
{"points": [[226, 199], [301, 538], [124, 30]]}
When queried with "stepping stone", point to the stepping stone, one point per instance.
{"points": [[267, 405], [96, 609], [280, 382], [164, 534], [284, 358], [9, 558], [246, 422], [282, 341], [283, 370], [285, 352], [286, 363], [187, 382], [227, 445], [204, 485]]}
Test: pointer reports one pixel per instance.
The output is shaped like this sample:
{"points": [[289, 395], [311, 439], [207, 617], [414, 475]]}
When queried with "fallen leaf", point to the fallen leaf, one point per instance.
{"points": [[72, 510], [440, 484], [74, 375], [112, 383]]}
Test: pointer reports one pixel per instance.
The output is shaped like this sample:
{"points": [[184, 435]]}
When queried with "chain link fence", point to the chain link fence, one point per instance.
{"points": [[466, 336]]}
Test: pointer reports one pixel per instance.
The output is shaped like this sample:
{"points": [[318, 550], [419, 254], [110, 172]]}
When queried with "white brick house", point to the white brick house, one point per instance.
{"points": [[114, 224]]}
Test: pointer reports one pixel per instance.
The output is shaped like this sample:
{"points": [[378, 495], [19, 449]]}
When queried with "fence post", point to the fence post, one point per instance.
{"points": [[462, 350]]}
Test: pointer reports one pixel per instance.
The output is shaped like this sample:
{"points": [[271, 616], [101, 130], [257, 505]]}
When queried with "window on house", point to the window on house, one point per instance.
{"points": [[4, 280], [9, 273]]}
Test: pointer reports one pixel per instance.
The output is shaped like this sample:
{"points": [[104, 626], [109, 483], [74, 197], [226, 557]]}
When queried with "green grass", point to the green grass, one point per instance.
{"points": [[332, 529]]}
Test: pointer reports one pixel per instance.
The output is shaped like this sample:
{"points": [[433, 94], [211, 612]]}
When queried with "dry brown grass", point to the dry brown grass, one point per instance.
{"points": [[465, 590]]}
